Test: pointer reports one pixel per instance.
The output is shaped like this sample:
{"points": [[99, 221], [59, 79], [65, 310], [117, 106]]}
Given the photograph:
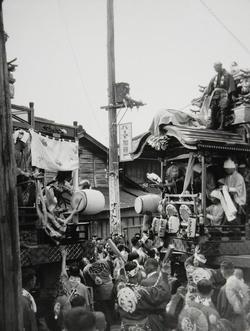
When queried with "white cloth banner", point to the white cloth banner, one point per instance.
{"points": [[53, 155]]}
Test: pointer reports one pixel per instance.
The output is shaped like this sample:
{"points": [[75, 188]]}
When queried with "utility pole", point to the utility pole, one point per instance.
{"points": [[10, 269], [114, 194]]}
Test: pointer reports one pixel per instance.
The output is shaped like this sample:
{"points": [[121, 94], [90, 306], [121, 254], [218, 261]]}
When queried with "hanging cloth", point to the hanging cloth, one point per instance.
{"points": [[53, 155]]}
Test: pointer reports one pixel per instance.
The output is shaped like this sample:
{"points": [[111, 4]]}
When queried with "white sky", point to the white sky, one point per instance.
{"points": [[164, 50]]}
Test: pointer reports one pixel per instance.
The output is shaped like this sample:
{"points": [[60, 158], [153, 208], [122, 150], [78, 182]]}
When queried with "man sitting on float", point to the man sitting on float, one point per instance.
{"points": [[236, 187], [174, 180], [215, 212]]}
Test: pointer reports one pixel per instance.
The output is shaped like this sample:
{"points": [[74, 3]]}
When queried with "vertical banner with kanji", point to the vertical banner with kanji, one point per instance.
{"points": [[125, 142]]}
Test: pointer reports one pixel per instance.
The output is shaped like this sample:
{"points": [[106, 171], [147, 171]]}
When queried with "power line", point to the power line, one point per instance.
{"points": [[123, 115], [246, 49], [78, 69]]}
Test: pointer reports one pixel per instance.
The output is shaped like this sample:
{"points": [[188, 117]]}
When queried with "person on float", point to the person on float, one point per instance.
{"points": [[236, 187], [210, 180], [174, 180], [221, 102], [244, 170], [215, 212]]}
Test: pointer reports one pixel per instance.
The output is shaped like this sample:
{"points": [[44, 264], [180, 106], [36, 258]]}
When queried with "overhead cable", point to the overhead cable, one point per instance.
{"points": [[78, 69], [246, 49]]}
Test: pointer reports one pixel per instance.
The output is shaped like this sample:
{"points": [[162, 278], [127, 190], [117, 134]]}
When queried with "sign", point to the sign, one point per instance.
{"points": [[125, 142], [114, 205]]}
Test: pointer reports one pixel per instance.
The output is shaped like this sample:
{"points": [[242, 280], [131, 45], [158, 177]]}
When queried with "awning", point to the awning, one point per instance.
{"points": [[192, 139]]}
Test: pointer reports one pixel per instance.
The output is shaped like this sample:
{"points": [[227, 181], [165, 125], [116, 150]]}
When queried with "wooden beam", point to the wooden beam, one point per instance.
{"points": [[204, 186], [10, 269]]}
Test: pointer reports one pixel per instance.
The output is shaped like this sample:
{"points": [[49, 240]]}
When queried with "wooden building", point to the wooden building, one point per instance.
{"points": [[94, 167], [93, 158]]}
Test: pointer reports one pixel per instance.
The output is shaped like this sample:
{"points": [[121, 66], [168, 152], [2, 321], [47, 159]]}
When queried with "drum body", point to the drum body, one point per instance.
{"points": [[147, 203], [88, 202]]}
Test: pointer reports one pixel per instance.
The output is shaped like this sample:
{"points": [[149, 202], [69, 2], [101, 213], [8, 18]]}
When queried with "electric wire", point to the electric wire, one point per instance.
{"points": [[123, 116], [78, 69], [246, 49]]}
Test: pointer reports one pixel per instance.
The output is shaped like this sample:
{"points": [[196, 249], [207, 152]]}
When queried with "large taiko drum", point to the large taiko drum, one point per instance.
{"points": [[147, 203], [88, 202]]}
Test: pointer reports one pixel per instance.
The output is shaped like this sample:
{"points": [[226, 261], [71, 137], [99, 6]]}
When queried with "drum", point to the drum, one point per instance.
{"points": [[173, 224], [185, 212], [171, 210], [147, 203], [89, 202]]}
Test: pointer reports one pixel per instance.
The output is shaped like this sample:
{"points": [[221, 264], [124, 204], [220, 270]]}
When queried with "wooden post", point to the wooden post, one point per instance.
{"points": [[32, 116], [204, 186], [10, 269], [114, 198]]}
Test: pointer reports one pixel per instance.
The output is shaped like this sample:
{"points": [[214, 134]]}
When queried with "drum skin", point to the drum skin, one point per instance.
{"points": [[147, 203], [88, 202]]}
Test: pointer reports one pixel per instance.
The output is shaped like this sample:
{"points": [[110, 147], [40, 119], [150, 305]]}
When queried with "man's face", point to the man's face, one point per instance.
{"points": [[33, 282], [242, 170], [217, 67], [229, 171], [139, 244], [149, 268], [175, 173]]}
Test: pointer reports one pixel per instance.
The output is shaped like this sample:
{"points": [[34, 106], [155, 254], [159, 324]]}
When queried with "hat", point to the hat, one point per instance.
{"points": [[197, 168], [215, 194], [229, 164]]}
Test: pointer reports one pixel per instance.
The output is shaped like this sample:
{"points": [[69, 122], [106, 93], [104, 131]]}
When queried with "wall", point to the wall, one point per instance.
{"points": [[138, 169], [131, 224], [92, 167]]}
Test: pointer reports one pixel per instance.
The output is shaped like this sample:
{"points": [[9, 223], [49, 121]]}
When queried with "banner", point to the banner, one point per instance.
{"points": [[125, 141], [53, 155]]}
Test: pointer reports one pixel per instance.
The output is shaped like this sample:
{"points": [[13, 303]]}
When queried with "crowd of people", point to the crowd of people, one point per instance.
{"points": [[141, 287]]}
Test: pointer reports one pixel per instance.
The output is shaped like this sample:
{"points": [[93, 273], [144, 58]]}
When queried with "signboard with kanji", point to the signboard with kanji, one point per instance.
{"points": [[125, 141]]}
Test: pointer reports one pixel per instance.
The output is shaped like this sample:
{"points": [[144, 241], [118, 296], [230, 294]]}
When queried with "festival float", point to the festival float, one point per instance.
{"points": [[50, 197], [184, 140]]}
